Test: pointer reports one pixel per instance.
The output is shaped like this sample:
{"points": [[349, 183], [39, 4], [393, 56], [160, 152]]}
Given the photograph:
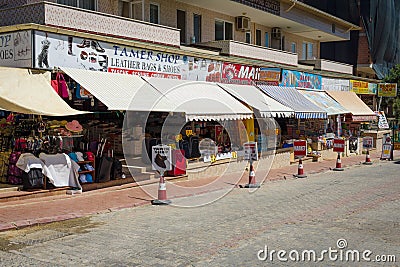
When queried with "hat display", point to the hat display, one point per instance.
{"points": [[79, 155], [74, 126]]}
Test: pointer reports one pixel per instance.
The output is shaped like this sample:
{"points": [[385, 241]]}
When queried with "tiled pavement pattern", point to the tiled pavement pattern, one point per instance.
{"points": [[360, 205], [21, 213]]}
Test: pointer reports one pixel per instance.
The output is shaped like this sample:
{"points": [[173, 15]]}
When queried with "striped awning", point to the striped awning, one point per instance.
{"points": [[303, 108]]}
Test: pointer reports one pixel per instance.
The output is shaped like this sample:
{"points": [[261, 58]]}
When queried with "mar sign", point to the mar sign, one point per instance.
{"points": [[300, 148], [338, 145]]}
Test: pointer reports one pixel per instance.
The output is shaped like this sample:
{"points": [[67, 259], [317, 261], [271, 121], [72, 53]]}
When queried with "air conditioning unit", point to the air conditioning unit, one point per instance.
{"points": [[242, 23], [276, 33]]}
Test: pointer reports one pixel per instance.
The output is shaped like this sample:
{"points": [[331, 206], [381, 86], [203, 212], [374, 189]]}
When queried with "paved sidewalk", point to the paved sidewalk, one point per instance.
{"points": [[22, 213]]}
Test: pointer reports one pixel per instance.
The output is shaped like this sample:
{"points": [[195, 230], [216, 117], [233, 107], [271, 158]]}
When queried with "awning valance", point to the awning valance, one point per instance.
{"points": [[324, 101], [24, 92], [303, 108], [201, 101], [121, 91], [251, 95], [349, 100]]}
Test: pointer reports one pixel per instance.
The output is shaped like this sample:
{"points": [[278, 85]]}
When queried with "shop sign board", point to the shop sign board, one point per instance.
{"points": [[338, 145], [387, 89], [56, 50], [161, 158], [250, 151], [16, 49], [329, 84], [300, 148], [386, 151], [270, 76], [382, 121], [368, 142], [291, 78], [396, 146], [239, 74], [361, 87]]}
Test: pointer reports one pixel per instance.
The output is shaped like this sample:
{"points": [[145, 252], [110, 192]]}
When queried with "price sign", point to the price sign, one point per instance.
{"points": [[386, 149], [338, 145], [300, 148], [250, 151], [368, 142]]}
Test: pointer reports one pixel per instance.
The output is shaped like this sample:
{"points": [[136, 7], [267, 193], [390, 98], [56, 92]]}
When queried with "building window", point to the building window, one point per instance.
{"points": [[197, 28], [248, 37], [258, 37], [154, 14], [181, 24], [293, 48], [223, 30], [86, 4], [266, 39], [126, 9], [310, 54], [307, 51]]}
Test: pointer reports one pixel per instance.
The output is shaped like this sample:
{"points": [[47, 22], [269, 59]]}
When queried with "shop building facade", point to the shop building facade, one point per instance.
{"points": [[275, 42]]}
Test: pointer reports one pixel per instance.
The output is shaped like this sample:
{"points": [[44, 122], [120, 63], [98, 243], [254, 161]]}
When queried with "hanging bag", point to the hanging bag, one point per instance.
{"points": [[60, 85]]}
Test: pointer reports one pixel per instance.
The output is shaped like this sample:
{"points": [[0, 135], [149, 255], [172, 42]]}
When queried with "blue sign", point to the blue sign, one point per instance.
{"points": [[291, 78]]}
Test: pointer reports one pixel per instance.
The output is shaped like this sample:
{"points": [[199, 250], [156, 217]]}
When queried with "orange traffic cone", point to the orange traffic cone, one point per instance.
{"points": [[338, 164], [252, 179], [162, 194], [367, 159], [300, 170]]}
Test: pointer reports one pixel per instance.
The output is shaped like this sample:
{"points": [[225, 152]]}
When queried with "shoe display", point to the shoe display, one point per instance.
{"points": [[85, 44], [96, 46], [159, 160]]}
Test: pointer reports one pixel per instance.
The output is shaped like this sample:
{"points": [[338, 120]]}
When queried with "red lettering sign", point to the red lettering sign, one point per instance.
{"points": [[338, 145], [300, 148]]}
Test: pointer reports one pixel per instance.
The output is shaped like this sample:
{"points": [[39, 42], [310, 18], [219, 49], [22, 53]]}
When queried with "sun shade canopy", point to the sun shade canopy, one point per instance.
{"points": [[358, 109], [201, 101], [24, 92], [251, 95], [324, 101], [303, 108], [121, 91]]}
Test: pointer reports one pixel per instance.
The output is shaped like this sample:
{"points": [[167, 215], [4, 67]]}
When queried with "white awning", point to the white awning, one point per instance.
{"points": [[267, 106], [121, 91], [201, 101], [24, 92]]}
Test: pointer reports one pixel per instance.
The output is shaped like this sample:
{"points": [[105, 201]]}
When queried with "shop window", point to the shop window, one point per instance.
{"points": [[154, 13], [86, 4], [223, 30], [181, 24], [258, 37], [248, 37]]}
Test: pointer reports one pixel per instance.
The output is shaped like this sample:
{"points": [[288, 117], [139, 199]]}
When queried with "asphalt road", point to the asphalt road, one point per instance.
{"points": [[339, 216]]}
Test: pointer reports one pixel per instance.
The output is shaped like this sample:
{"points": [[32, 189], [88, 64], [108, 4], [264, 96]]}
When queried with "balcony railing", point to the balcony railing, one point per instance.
{"points": [[51, 14], [327, 65], [234, 48]]}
